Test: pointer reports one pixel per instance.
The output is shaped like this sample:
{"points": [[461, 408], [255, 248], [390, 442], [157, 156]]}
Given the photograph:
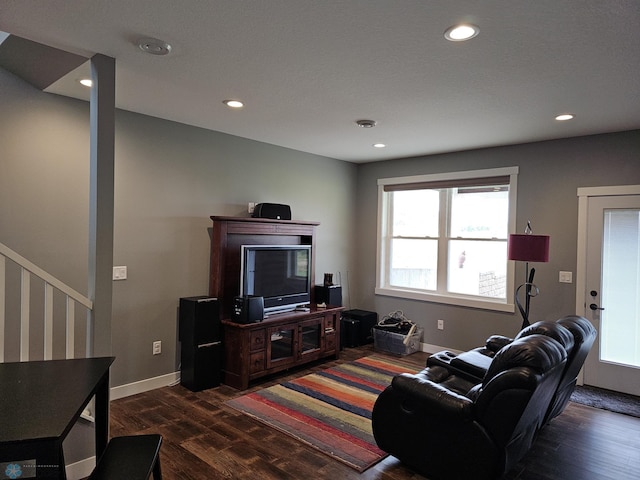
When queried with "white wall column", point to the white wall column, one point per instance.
{"points": [[101, 204]]}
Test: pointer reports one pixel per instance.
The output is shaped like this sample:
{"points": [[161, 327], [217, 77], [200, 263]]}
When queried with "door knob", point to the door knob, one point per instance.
{"points": [[594, 307]]}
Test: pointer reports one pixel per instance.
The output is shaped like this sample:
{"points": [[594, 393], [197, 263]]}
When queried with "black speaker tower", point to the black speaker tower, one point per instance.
{"points": [[201, 346]]}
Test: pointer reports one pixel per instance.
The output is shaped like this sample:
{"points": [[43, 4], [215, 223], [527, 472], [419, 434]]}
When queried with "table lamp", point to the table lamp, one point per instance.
{"points": [[527, 248]]}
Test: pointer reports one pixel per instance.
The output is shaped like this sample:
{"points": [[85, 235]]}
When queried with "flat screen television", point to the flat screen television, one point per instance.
{"points": [[281, 274]]}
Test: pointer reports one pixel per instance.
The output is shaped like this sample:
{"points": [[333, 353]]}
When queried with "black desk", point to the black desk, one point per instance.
{"points": [[39, 404]]}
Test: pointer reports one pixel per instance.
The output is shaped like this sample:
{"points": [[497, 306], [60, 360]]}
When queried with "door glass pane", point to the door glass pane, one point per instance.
{"points": [[310, 337], [414, 263], [620, 319], [281, 344], [478, 268]]}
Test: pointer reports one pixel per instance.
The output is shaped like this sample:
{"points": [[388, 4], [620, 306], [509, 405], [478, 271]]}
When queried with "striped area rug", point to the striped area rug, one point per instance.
{"points": [[329, 410]]}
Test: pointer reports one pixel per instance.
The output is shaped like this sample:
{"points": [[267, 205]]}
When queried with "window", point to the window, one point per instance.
{"points": [[443, 237]]}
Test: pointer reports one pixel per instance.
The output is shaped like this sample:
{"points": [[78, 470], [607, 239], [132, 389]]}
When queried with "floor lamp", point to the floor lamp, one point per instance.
{"points": [[527, 248]]}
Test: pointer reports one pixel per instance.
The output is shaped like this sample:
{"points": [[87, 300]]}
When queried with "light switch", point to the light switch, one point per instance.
{"points": [[566, 277], [119, 273]]}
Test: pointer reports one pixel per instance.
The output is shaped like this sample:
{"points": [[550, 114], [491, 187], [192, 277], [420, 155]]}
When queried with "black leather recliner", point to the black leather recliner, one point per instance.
{"points": [[573, 332], [473, 364], [584, 334], [432, 424]]}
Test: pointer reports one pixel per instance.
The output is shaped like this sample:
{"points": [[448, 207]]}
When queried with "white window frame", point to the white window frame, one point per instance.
{"points": [[384, 241]]}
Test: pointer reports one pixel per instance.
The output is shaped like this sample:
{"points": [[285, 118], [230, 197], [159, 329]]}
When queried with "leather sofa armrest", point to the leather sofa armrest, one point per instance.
{"points": [[496, 342], [432, 397], [472, 362]]}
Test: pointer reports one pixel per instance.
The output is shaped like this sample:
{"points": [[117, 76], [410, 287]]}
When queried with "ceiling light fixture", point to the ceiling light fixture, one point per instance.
{"points": [[87, 82], [233, 103], [379, 145], [565, 116], [154, 46], [366, 123], [460, 33]]}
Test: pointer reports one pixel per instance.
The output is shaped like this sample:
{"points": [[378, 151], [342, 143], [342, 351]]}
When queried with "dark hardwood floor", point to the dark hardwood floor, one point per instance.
{"points": [[205, 439]]}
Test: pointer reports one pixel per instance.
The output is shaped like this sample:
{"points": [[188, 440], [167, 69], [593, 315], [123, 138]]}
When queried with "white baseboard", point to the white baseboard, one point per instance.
{"points": [[426, 347], [81, 469], [129, 389]]}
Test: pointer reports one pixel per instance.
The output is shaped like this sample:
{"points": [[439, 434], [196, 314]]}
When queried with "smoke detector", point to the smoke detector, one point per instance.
{"points": [[366, 123], [154, 46]]}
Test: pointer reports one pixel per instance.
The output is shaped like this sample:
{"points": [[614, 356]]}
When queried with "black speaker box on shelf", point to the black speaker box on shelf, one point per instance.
{"points": [[274, 211], [329, 294], [248, 309], [201, 346], [365, 322]]}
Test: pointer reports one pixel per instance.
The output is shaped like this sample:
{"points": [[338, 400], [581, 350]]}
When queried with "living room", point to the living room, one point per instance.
{"points": [[171, 177]]}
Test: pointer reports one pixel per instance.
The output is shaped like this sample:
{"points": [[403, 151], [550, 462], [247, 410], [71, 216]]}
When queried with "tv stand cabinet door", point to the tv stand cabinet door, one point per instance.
{"points": [[331, 333], [311, 332], [282, 345]]}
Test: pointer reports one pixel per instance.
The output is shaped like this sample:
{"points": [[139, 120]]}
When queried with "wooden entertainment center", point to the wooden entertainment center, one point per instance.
{"points": [[280, 341]]}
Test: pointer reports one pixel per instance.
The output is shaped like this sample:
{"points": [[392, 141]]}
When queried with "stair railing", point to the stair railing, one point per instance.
{"points": [[51, 284]]}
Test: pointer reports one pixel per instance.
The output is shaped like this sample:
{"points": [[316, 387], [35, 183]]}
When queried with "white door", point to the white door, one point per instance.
{"points": [[611, 286]]}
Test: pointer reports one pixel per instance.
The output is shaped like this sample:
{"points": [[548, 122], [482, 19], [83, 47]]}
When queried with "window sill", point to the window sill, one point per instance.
{"points": [[488, 304]]}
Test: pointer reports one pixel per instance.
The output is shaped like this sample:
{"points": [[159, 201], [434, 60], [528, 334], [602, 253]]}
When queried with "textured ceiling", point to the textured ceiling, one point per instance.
{"points": [[308, 69]]}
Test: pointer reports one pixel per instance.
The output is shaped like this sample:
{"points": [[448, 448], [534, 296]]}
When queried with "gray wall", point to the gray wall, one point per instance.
{"points": [[550, 174], [169, 179]]}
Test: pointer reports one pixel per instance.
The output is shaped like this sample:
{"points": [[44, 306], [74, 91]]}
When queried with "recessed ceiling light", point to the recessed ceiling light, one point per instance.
{"points": [[87, 82], [460, 33], [366, 123], [565, 117], [233, 103], [379, 145], [154, 46]]}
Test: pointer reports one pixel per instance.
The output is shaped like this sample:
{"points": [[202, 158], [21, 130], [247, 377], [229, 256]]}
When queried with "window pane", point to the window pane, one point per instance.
{"points": [[478, 268], [415, 213], [414, 263], [479, 212]]}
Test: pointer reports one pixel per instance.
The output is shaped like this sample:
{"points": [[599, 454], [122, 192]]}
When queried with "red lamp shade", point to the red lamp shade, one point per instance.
{"points": [[528, 248]]}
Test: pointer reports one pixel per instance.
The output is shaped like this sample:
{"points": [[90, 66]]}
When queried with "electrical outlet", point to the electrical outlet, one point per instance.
{"points": [[251, 207], [440, 324], [157, 347]]}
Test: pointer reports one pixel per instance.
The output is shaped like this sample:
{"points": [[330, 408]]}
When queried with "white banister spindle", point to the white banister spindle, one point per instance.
{"points": [[3, 284], [48, 322], [71, 325], [25, 296]]}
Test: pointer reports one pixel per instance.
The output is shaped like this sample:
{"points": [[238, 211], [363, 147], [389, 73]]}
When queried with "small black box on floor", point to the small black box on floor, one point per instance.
{"points": [[329, 294], [365, 323]]}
